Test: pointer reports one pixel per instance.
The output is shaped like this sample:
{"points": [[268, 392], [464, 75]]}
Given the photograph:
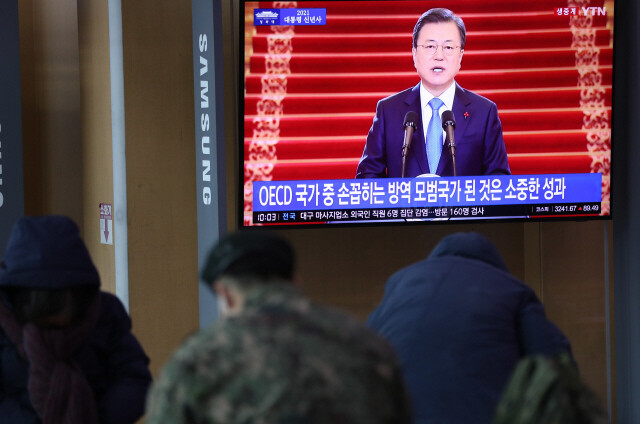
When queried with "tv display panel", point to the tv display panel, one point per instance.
{"points": [[314, 72]]}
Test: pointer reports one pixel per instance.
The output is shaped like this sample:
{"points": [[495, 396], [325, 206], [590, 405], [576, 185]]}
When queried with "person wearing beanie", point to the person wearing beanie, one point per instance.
{"points": [[67, 354], [276, 357]]}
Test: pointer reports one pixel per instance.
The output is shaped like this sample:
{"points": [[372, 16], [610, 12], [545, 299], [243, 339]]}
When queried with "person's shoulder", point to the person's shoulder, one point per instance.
{"points": [[353, 336], [112, 312], [188, 370], [475, 98], [210, 355], [488, 271], [111, 302], [222, 339], [354, 349], [400, 96]]}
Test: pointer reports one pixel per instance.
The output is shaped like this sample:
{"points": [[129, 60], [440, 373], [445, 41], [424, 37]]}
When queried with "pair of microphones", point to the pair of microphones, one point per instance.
{"points": [[411, 124]]}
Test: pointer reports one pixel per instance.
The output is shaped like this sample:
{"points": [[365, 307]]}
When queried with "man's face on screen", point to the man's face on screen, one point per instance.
{"points": [[438, 56]]}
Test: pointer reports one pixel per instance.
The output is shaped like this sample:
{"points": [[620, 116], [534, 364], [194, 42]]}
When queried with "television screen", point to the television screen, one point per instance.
{"points": [[356, 112]]}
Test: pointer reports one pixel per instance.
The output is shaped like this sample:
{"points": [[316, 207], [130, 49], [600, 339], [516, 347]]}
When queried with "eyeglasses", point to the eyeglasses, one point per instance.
{"points": [[431, 49]]}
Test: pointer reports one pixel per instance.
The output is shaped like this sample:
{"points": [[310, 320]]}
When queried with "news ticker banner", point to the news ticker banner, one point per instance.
{"points": [[11, 174], [385, 199], [289, 16]]}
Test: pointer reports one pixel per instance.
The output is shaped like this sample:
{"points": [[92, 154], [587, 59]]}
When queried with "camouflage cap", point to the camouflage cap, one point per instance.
{"points": [[250, 253]]}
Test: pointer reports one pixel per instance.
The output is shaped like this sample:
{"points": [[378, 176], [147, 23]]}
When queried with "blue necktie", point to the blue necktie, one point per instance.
{"points": [[434, 135]]}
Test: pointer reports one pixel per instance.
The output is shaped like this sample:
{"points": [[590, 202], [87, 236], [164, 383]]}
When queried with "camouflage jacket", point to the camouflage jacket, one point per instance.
{"points": [[284, 360], [548, 389]]}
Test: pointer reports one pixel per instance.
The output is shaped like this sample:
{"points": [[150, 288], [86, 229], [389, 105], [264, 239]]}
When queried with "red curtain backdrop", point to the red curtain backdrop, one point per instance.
{"points": [[311, 91]]}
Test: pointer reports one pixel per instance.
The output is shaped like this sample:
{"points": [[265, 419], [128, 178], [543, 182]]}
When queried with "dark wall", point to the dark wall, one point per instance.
{"points": [[626, 207], [11, 178]]}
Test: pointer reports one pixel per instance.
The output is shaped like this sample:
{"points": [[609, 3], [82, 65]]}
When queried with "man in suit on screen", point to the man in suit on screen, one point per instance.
{"points": [[438, 45]]}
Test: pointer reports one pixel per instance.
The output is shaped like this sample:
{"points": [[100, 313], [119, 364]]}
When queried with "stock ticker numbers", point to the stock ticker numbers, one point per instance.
{"points": [[576, 209]]}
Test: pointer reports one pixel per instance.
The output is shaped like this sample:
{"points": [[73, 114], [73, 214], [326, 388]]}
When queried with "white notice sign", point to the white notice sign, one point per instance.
{"points": [[106, 223]]}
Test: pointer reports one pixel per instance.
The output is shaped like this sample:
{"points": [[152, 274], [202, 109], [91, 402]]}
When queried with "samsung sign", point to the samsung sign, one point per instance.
{"points": [[208, 88], [208, 104], [205, 119]]}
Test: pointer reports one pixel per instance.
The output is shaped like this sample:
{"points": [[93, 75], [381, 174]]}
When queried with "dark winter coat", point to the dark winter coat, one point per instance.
{"points": [[47, 252], [460, 322]]}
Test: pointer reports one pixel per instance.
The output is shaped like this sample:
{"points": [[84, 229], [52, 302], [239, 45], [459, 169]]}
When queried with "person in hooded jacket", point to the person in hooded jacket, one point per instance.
{"points": [[67, 354], [460, 322]]}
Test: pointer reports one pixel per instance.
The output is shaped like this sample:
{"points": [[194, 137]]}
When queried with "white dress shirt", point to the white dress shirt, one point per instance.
{"points": [[425, 98]]}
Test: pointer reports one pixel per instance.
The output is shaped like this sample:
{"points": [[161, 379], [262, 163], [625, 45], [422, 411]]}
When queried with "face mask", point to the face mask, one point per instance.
{"points": [[223, 308]]}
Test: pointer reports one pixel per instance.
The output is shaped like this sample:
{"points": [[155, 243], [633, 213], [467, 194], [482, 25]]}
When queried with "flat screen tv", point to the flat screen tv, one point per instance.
{"points": [[335, 122]]}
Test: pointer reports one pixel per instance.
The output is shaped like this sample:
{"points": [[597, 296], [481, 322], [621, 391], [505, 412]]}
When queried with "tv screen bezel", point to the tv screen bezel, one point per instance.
{"points": [[391, 223]]}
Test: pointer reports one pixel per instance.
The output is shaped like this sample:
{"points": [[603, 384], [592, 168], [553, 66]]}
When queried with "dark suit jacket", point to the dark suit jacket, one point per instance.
{"points": [[460, 323], [480, 148]]}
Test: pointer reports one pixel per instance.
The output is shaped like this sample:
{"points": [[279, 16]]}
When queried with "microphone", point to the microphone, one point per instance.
{"points": [[410, 125], [448, 125]]}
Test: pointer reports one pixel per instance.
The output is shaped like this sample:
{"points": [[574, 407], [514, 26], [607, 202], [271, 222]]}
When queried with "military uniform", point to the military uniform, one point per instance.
{"points": [[548, 389], [284, 360]]}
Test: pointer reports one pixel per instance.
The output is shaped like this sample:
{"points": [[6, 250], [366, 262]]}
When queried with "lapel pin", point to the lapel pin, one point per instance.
{"points": [[466, 115]]}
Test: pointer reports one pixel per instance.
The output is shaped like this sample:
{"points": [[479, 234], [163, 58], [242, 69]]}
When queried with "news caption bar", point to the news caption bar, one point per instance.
{"points": [[289, 16], [398, 199]]}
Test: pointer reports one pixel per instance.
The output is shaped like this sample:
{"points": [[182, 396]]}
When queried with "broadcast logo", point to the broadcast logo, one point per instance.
{"points": [[266, 17]]}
